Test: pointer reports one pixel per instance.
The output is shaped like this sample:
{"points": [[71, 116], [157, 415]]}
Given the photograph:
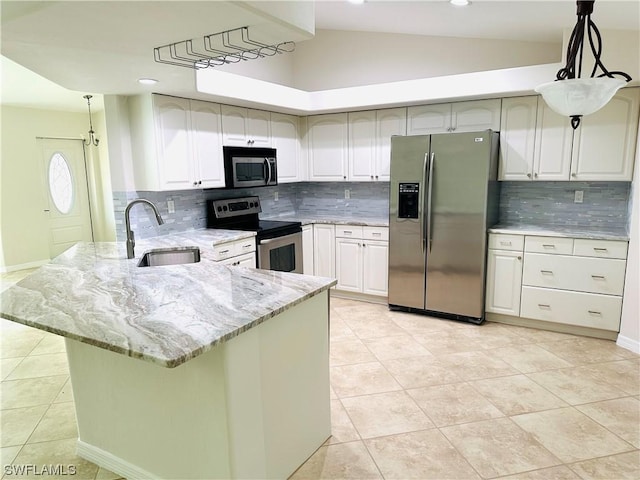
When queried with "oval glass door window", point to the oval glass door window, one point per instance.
{"points": [[60, 183]]}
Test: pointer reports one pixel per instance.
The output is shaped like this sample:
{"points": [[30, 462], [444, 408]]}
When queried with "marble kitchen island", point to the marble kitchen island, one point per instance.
{"points": [[186, 371]]}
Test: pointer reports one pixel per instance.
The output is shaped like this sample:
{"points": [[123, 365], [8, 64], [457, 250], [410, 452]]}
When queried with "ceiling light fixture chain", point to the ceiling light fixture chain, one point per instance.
{"points": [[229, 46], [571, 94], [92, 137]]}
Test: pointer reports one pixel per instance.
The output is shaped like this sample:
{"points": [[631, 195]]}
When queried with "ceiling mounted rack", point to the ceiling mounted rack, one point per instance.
{"points": [[222, 48]]}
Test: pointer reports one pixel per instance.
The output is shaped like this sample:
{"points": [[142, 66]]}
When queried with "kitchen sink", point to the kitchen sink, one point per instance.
{"points": [[170, 256]]}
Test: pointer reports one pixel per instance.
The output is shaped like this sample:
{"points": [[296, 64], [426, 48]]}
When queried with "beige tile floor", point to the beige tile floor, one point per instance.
{"points": [[412, 397]]}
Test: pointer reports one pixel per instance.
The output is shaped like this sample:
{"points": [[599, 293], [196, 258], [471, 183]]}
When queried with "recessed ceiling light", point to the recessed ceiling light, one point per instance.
{"points": [[459, 3], [147, 81]]}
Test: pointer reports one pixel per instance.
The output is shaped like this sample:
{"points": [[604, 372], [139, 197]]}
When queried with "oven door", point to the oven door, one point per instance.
{"points": [[283, 254]]}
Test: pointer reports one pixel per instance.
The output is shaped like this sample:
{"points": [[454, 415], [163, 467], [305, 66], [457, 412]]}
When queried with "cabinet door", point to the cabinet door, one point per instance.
{"points": [[324, 244], [605, 143], [207, 144], [173, 124], [327, 139], [259, 128], [307, 249], [362, 143], [375, 268], [428, 119], [389, 122], [248, 260], [517, 137], [286, 141], [554, 139], [504, 282], [476, 115], [349, 264], [234, 126]]}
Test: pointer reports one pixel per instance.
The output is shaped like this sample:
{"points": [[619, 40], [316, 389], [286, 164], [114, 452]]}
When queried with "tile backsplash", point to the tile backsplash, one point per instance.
{"points": [[605, 204]]}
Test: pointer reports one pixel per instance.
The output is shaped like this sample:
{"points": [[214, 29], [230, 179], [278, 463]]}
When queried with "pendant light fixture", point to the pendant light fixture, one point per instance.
{"points": [[572, 95], [92, 138]]}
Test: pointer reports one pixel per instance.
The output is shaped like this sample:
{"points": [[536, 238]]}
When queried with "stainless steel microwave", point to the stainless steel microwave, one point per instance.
{"points": [[249, 167]]}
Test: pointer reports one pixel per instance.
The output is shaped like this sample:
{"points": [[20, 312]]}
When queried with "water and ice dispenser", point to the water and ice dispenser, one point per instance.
{"points": [[408, 199]]}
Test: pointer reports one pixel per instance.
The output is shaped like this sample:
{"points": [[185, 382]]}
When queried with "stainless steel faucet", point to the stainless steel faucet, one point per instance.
{"points": [[131, 241]]}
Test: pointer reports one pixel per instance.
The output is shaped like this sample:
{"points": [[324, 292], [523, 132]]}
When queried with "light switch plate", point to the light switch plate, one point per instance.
{"points": [[347, 194], [275, 196], [579, 196], [171, 206]]}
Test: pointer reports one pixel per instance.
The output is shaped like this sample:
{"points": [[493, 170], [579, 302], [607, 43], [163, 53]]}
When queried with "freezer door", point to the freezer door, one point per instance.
{"points": [[406, 220], [456, 226]]}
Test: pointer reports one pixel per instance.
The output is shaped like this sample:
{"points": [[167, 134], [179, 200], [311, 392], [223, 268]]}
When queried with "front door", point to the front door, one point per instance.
{"points": [[67, 197]]}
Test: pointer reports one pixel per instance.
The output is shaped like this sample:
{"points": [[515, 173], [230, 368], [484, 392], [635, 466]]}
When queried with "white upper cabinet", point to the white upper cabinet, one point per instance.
{"points": [[286, 140], [176, 143], [469, 116], [327, 140], [389, 122], [604, 145], [362, 145], [244, 127], [602, 148], [206, 128], [370, 135]]}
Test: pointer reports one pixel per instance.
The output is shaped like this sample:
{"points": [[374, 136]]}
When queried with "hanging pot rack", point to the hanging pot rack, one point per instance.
{"points": [[222, 48]]}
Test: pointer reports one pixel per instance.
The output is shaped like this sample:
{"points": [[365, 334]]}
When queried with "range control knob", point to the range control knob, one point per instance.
{"points": [[224, 208]]}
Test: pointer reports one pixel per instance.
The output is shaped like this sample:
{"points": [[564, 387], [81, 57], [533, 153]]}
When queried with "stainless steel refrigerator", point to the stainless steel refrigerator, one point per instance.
{"points": [[443, 197]]}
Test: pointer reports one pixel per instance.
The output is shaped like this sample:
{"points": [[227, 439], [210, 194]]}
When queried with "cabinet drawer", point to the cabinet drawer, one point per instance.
{"points": [[348, 231], [375, 233], [573, 308], [501, 241], [232, 249], [595, 275], [556, 245], [600, 248]]}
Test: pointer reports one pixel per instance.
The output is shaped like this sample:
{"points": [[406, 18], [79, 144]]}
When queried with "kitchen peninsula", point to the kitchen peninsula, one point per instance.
{"points": [[186, 371]]}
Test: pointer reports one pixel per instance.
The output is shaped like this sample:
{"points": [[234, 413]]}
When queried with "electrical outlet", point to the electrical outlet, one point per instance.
{"points": [[171, 206], [275, 196], [347, 194], [579, 196]]}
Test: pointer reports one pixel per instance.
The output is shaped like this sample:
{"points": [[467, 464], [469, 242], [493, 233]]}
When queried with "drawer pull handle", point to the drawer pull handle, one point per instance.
{"points": [[507, 244], [376, 234], [599, 249], [543, 305], [546, 272], [348, 232], [598, 277], [224, 251], [593, 312], [547, 245]]}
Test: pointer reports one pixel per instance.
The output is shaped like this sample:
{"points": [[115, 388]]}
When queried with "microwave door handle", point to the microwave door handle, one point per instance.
{"points": [[429, 202], [268, 170]]}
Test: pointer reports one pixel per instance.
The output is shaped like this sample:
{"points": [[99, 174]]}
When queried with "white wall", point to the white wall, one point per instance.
{"points": [[23, 222], [629, 336]]}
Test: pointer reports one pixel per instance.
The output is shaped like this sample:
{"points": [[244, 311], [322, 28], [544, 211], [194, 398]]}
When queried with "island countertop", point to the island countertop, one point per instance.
{"points": [[166, 314]]}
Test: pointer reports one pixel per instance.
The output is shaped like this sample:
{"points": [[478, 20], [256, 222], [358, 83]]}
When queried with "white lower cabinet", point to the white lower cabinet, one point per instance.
{"points": [[307, 250], [567, 281], [362, 257], [324, 253], [237, 253]]}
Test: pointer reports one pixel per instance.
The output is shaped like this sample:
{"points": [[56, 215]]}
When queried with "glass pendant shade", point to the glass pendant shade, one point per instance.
{"points": [[579, 96]]}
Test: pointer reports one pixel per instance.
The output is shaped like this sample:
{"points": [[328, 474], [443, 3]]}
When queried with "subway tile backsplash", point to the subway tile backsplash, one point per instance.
{"points": [[605, 204]]}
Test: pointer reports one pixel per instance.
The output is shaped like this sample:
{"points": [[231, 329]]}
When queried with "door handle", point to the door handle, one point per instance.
{"points": [[268, 169], [429, 201], [423, 239]]}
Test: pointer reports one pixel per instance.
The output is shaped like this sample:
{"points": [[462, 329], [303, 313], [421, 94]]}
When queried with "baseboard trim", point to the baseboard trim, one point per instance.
{"points": [[111, 462], [628, 343], [23, 266], [365, 297]]}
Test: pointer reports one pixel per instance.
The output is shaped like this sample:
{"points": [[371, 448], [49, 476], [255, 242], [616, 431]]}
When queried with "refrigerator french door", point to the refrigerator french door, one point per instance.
{"points": [[443, 197]]}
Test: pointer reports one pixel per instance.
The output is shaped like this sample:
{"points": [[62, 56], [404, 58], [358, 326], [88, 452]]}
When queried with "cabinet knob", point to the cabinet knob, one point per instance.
{"points": [[574, 175], [519, 257], [199, 182], [535, 175], [195, 184], [529, 175], [376, 177], [345, 177], [371, 177]]}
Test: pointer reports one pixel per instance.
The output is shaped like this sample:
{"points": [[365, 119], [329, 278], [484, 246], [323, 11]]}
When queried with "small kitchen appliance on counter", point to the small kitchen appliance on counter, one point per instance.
{"points": [[279, 243], [443, 197]]}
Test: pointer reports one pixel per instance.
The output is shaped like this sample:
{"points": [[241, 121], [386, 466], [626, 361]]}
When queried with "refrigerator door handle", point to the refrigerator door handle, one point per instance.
{"points": [[429, 204], [423, 240]]}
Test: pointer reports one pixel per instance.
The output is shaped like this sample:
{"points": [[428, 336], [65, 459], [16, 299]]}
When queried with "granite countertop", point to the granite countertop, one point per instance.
{"points": [[595, 233], [166, 315], [309, 219]]}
